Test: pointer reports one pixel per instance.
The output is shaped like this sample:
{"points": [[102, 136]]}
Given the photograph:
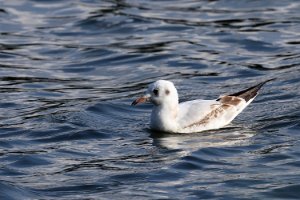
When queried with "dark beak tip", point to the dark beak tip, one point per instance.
{"points": [[139, 100]]}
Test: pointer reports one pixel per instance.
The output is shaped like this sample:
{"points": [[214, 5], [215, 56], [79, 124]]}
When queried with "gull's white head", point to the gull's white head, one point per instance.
{"points": [[161, 92]]}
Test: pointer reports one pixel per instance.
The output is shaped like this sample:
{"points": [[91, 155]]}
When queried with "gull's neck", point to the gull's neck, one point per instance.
{"points": [[164, 116]]}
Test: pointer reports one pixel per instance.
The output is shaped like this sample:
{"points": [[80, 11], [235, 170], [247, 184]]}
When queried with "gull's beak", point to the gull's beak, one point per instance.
{"points": [[142, 99]]}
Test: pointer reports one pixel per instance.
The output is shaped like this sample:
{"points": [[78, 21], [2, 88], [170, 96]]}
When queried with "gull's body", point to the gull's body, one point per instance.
{"points": [[169, 115]]}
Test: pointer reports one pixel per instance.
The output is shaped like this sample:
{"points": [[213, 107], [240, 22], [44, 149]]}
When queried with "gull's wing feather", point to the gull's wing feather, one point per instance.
{"points": [[201, 115], [192, 111], [250, 93]]}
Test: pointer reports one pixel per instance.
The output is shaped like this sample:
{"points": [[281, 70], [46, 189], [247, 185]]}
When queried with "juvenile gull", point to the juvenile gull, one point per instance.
{"points": [[169, 115]]}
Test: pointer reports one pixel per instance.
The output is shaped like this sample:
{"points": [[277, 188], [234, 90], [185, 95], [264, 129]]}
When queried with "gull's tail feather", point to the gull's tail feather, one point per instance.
{"points": [[251, 92]]}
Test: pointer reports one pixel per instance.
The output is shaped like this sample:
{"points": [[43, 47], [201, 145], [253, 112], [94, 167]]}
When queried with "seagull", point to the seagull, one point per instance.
{"points": [[168, 115]]}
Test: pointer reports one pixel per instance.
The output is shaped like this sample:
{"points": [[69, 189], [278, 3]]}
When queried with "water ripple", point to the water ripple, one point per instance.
{"points": [[70, 70]]}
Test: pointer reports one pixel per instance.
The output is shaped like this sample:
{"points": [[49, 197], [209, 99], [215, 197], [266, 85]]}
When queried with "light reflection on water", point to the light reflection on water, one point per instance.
{"points": [[70, 69]]}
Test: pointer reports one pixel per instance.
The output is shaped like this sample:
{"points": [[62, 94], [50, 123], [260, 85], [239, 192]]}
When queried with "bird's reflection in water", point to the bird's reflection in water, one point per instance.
{"points": [[188, 143]]}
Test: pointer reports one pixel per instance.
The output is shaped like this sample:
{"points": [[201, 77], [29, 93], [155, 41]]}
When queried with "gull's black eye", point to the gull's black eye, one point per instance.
{"points": [[155, 92]]}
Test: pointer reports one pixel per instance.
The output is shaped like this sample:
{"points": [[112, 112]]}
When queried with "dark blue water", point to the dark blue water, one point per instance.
{"points": [[70, 69]]}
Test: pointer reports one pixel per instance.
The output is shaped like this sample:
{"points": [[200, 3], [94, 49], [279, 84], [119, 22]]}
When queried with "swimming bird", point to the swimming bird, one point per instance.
{"points": [[168, 115]]}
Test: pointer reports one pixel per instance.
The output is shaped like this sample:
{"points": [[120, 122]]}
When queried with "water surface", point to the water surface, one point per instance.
{"points": [[70, 70]]}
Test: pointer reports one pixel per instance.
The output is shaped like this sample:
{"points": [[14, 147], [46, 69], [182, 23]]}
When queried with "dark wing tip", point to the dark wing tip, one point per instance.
{"points": [[250, 92], [134, 103]]}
